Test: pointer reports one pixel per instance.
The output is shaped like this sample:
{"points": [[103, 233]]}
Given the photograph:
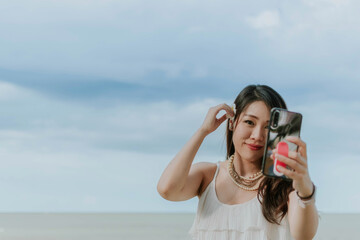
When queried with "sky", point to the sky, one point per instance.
{"points": [[97, 97]]}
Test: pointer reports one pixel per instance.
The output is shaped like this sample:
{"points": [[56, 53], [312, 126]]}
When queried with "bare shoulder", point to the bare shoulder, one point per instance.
{"points": [[207, 170]]}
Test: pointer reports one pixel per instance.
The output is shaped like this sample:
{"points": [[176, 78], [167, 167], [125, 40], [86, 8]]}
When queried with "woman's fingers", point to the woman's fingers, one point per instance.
{"points": [[225, 107], [296, 165], [301, 144], [222, 119], [291, 174], [297, 157], [211, 122]]}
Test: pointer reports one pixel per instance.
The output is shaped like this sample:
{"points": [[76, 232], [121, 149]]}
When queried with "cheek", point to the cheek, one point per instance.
{"points": [[241, 134]]}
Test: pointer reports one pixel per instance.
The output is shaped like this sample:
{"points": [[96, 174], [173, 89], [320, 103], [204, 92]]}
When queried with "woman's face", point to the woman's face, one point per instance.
{"points": [[251, 130]]}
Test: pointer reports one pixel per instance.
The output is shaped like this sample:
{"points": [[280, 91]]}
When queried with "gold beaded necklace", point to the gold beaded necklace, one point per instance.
{"points": [[246, 183]]}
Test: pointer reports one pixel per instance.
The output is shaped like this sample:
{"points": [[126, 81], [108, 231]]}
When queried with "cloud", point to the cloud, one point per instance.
{"points": [[68, 145], [129, 41], [9, 92], [266, 19], [329, 125], [327, 3], [200, 72]]}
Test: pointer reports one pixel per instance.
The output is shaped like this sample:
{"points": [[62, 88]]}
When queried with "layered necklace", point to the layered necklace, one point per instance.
{"points": [[246, 183]]}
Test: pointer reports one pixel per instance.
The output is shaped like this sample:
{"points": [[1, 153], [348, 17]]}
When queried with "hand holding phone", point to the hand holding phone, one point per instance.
{"points": [[282, 123]]}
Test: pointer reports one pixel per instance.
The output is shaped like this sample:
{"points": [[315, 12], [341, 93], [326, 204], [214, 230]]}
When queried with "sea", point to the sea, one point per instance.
{"points": [[137, 226]]}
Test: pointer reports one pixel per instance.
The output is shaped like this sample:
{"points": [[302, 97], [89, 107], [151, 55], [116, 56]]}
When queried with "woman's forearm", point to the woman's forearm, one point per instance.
{"points": [[303, 221]]}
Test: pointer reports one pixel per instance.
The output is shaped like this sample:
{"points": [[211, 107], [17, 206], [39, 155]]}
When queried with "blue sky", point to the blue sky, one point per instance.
{"points": [[98, 96]]}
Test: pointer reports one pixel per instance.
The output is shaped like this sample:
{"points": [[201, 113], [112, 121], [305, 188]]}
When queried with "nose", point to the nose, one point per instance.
{"points": [[258, 134]]}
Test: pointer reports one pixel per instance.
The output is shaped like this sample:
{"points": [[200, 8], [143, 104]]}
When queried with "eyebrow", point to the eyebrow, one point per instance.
{"points": [[253, 116]]}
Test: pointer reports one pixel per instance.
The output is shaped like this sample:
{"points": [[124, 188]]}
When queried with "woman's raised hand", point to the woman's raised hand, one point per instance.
{"points": [[298, 162], [211, 123]]}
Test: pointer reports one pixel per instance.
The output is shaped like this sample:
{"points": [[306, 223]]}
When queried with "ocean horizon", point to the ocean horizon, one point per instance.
{"points": [[138, 226]]}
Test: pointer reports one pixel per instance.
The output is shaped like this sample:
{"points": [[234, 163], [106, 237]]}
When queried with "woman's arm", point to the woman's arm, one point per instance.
{"points": [[303, 220], [174, 183], [181, 180]]}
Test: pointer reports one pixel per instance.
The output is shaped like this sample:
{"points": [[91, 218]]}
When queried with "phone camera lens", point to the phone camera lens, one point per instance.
{"points": [[276, 119]]}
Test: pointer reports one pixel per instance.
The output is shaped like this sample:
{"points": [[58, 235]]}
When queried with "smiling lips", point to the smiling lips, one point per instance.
{"points": [[254, 147]]}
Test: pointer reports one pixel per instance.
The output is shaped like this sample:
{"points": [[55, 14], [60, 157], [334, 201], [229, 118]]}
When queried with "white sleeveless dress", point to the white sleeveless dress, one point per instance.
{"points": [[218, 221]]}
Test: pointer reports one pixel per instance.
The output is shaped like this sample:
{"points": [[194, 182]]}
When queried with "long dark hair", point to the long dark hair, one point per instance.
{"points": [[273, 193]]}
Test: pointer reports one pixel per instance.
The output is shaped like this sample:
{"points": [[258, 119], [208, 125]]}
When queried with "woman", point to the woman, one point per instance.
{"points": [[235, 200]]}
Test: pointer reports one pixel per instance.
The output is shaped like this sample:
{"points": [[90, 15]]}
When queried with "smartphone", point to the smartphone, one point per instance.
{"points": [[282, 123]]}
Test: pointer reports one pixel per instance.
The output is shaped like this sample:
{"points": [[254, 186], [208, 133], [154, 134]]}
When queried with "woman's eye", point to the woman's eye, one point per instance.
{"points": [[249, 122]]}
